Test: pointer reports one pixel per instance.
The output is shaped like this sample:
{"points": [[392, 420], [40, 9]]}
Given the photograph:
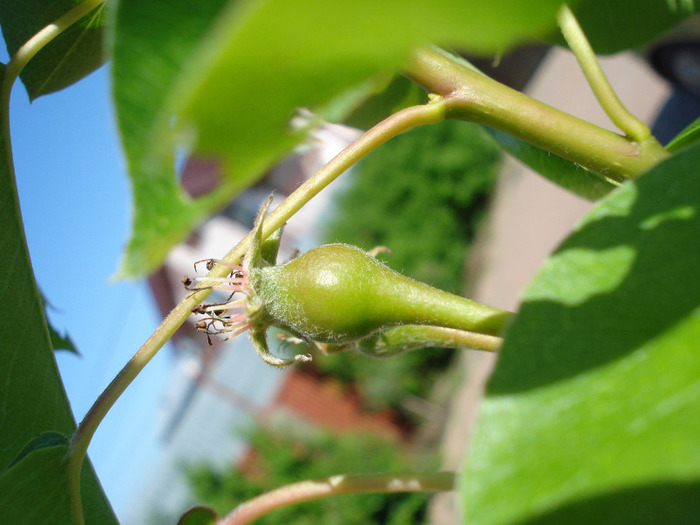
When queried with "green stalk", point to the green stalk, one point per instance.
{"points": [[337, 485], [635, 129], [400, 339], [403, 120], [35, 44], [471, 95], [406, 119]]}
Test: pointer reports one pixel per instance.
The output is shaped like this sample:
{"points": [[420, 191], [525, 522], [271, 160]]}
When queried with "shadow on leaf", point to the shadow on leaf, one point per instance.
{"points": [[628, 274], [677, 503]]}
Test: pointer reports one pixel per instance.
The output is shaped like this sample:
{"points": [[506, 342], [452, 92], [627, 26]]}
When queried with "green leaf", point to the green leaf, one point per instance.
{"points": [[592, 412], [240, 105], [565, 173], [31, 394], [152, 40], [688, 136], [198, 516], [58, 341], [31, 390], [612, 27], [45, 440], [34, 489], [61, 341], [235, 85], [69, 57]]}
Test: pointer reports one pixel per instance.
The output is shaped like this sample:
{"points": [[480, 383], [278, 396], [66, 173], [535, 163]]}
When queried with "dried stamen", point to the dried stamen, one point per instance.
{"points": [[218, 309], [228, 318], [237, 281]]}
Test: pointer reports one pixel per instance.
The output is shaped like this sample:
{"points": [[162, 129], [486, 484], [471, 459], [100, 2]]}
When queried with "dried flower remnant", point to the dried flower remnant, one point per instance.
{"points": [[229, 318], [243, 310]]}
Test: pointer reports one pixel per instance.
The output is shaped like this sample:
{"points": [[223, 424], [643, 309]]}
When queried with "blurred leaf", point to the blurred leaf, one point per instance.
{"points": [[565, 173], [198, 516], [234, 86], [592, 413], [152, 40], [294, 452], [69, 57], [31, 393], [612, 27], [385, 100], [232, 97], [689, 135]]}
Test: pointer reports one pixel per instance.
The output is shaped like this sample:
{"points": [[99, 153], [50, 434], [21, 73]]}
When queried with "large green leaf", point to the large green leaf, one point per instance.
{"points": [[273, 56], [592, 412], [615, 26], [35, 488], [236, 91], [151, 42], [31, 391], [69, 57], [32, 397]]}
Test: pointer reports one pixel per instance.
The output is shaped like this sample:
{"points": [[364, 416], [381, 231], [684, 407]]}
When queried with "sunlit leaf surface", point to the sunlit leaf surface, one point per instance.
{"points": [[234, 74], [592, 413]]}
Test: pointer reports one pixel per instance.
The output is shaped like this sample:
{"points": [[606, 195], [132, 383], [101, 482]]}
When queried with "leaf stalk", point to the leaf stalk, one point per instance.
{"points": [[35, 44], [470, 95], [634, 128], [337, 485]]}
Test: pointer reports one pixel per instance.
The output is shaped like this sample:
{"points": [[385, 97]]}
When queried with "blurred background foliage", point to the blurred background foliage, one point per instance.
{"points": [[281, 456]]}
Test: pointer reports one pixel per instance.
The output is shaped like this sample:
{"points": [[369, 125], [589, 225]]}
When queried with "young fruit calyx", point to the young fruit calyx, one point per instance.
{"points": [[243, 311]]}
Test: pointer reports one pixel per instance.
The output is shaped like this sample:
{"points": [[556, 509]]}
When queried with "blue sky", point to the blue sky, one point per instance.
{"points": [[76, 206]]}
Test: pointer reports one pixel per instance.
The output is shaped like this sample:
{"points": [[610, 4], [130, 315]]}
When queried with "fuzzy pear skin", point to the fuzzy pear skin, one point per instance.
{"points": [[338, 294]]}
